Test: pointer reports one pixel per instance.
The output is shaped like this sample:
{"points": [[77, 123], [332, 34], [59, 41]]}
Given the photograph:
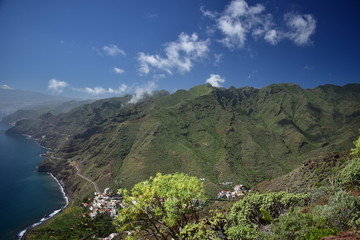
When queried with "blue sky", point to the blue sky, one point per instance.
{"points": [[98, 48]]}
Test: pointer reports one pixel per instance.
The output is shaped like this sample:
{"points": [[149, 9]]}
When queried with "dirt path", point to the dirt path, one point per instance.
{"points": [[86, 178], [78, 172]]}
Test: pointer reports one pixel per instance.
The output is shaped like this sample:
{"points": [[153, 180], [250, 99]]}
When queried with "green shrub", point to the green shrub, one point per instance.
{"points": [[161, 206], [260, 209], [356, 151], [297, 225], [317, 193], [342, 212], [318, 233], [198, 231], [242, 231], [350, 174]]}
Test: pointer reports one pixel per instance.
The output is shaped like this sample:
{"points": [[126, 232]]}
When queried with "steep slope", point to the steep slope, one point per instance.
{"points": [[243, 135], [320, 171]]}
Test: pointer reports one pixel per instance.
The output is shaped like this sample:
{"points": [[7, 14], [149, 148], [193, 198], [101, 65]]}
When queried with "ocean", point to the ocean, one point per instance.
{"points": [[26, 196]]}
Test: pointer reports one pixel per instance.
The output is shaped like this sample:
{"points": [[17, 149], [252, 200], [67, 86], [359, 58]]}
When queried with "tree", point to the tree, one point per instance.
{"points": [[161, 206]]}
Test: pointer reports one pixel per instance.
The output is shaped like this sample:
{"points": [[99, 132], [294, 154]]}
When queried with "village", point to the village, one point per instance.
{"points": [[238, 190], [103, 203], [109, 202]]}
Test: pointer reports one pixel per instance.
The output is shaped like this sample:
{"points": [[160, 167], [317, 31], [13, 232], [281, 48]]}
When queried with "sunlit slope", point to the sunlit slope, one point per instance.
{"points": [[243, 135]]}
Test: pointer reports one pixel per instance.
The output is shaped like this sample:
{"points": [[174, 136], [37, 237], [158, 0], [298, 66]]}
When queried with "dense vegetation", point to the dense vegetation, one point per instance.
{"points": [[244, 136], [161, 207], [169, 207], [272, 215]]}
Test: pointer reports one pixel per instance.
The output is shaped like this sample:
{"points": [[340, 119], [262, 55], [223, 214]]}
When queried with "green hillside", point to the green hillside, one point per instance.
{"points": [[35, 112], [243, 135]]}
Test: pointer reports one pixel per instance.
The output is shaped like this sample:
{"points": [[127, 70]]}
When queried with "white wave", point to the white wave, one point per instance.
{"points": [[62, 191], [21, 234]]}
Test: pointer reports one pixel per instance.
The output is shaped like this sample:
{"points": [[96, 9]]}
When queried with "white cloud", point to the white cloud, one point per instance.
{"points": [[207, 13], [6, 87], [94, 91], [120, 90], [218, 58], [215, 80], [143, 91], [159, 76], [118, 70], [100, 90], [301, 28], [272, 37], [56, 86], [179, 55], [113, 50], [239, 20]]}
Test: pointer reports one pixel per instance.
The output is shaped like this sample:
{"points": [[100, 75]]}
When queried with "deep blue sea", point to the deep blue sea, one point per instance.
{"points": [[26, 196]]}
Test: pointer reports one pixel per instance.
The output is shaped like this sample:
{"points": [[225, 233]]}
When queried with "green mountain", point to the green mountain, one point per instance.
{"points": [[243, 135], [35, 112], [14, 99]]}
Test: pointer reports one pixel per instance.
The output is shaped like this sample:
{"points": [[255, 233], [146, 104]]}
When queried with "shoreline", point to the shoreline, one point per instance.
{"points": [[22, 234]]}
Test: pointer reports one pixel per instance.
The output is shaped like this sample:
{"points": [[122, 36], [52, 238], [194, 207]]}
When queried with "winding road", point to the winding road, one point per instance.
{"points": [[82, 176], [77, 172]]}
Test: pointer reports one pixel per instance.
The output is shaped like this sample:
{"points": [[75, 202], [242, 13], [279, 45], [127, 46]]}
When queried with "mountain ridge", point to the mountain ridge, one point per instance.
{"points": [[243, 135], [14, 99]]}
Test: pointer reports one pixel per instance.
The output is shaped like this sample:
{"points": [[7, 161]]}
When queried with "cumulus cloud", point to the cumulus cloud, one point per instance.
{"points": [[215, 80], [122, 89], [240, 20], [272, 37], [179, 55], [301, 27], [94, 91], [142, 91], [100, 90], [6, 87], [118, 70], [56, 86], [113, 50]]}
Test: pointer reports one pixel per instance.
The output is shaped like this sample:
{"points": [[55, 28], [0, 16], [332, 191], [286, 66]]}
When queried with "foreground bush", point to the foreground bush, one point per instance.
{"points": [[256, 210], [342, 212], [161, 206], [350, 175], [297, 225]]}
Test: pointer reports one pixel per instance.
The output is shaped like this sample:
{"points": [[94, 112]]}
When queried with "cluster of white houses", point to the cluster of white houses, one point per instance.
{"points": [[108, 203], [104, 203], [239, 190]]}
